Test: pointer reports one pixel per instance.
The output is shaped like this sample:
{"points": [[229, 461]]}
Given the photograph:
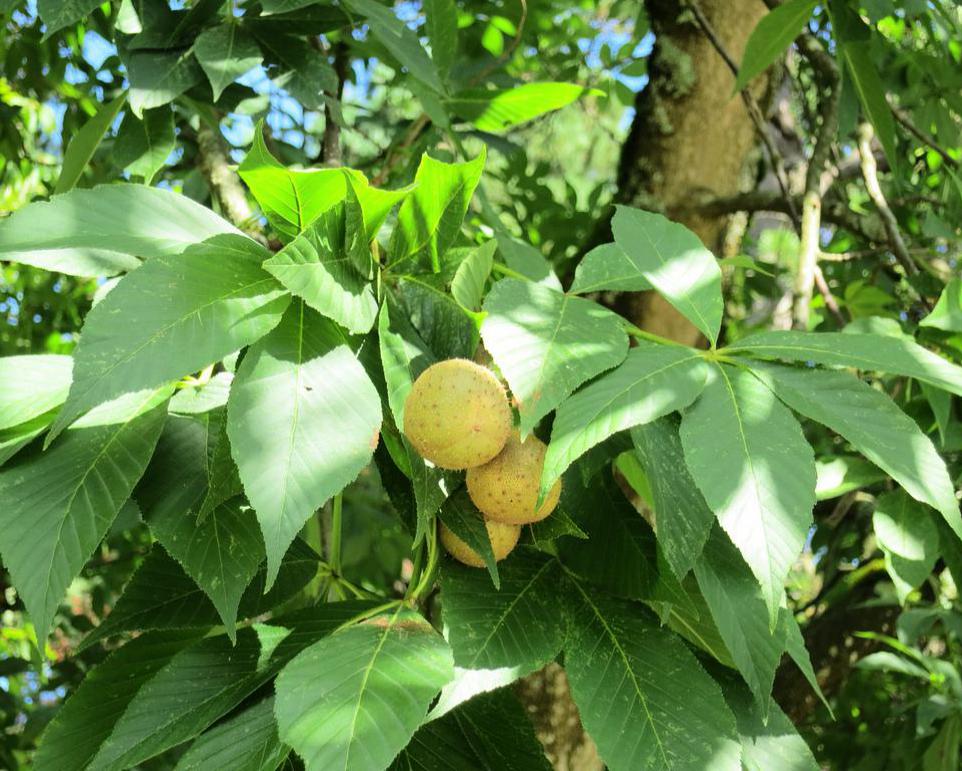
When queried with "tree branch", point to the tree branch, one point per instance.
{"points": [[224, 184], [331, 144]]}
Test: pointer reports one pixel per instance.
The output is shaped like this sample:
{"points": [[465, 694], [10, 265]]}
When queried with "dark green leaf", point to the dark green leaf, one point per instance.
{"points": [[158, 77], [246, 742], [225, 53], [771, 38], [143, 145], [85, 142]]}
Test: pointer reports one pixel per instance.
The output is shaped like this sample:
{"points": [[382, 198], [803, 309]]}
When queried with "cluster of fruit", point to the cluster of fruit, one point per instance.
{"points": [[457, 416]]}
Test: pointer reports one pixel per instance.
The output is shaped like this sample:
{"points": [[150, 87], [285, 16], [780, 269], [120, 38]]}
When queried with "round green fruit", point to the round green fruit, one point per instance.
{"points": [[503, 539], [506, 488], [457, 414]]}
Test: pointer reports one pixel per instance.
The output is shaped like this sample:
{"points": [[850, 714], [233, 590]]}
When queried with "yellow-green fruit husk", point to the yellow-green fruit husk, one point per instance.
{"points": [[506, 488], [457, 414], [503, 540]]}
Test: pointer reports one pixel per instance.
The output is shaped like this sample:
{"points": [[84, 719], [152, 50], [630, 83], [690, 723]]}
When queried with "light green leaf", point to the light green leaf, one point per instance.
{"points": [[246, 742], [502, 109], [303, 420], [947, 313], [617, 659], [840, 474], [85, 721], [676, 264], [740, 614], [221, 553], [143, 145], [430, 218], [748, 456], [652, 381], [909, 538], [12, 440], [57, 14], [355, 699], [529, 262], [67, 234], [875, 426], [442, 27], [517, 626], [198, 399], [771, 38], [316, 267], [192, 309], [31, 386], [683, 520], [225, 53], [84, 143], [401, 41], [874, 353], [158, 77], [769, 741], [547, 343], [608, 268], [468, 283], [59, 504]]}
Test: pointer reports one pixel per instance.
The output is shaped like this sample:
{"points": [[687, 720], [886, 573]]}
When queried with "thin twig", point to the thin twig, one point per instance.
{"points": [[870, 175], [925, 139]]}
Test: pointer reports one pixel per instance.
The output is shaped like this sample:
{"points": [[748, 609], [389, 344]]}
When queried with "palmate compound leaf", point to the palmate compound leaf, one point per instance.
{"points": [[68, 234], [518, 625], [642, 695], [59, 504], [652, 381], [192, 309], [748, 456], [132, 708], [246, 742], [874, 425], [547, 343], [303, 420], [355, 699]]}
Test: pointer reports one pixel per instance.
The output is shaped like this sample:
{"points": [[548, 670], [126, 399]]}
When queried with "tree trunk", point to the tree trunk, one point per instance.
{"points": [[691, 136]]}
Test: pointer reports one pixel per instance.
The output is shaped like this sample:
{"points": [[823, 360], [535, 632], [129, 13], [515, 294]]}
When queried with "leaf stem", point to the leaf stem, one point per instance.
{"points": [[427, 576], [504, 270], [641, 334], [336, 526]]}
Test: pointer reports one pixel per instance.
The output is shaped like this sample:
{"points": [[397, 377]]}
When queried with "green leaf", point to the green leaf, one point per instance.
{"points": [[947, 313], [59, 504], [642, 695], [160, 595], [404, 355], [740, 614], [491, 731], [430, 218], [840, 474], [225, 53], [85, 142], [547, 343], [861, 65], [683, 520], [67, 234], [143, 145], [469, 280], [401, 41], [875, 426], [529, 262], [675, 262], [652, 381], [158, 77], [12, 440], [192, 309], [608, 268], [355, 699], [303, 420], [80, 726], [875, 353], [442, 27], [747, 454], [619, 553], [316, 268], [462, 518], [221, 553], [771, 37], [769, 740], [449, 330], [31, 386], [57, 14], [517, 626], [909, 538], [307, 77], [246, 742], [502, 109], [198, 399]]}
